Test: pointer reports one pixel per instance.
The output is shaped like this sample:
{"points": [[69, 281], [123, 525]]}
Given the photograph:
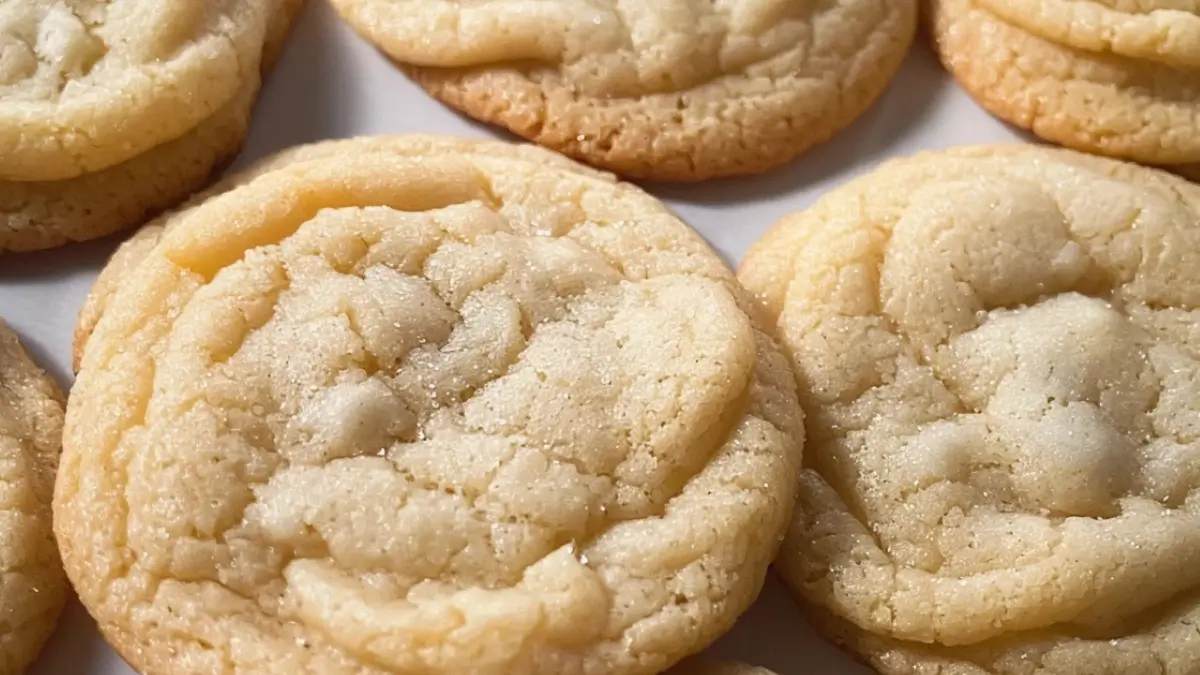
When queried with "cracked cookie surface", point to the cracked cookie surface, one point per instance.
{"points": [[997, 353], [1167, 31], [1085, 98], [425, 404], [33, 587], [677, 90]]}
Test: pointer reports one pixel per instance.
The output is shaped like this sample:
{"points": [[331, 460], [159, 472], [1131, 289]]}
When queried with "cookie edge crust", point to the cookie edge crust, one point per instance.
{"points": [[230, 128], [54, 393], [769, 260], [1011, 104], [551, 114]]}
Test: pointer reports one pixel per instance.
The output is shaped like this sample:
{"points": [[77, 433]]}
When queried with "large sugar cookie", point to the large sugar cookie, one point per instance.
{"points": [[43, 214], [425, 405], [1095, 101], [33, 588], [89, 84], [662, 90], [998, 354]]}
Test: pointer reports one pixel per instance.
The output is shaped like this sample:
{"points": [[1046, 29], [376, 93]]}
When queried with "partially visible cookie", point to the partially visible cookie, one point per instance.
{"points": [[998, 357], [1103, 102], [43, 214], [1166, 31], [33, 587], [130, 253], [89, 84], [664, 91], [417, 404]]}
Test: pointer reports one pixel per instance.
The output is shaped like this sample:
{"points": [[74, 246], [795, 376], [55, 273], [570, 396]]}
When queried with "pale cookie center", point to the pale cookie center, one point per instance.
{"points": [[1060, 389], [1036, 397], [999, 351], [408, 426]]}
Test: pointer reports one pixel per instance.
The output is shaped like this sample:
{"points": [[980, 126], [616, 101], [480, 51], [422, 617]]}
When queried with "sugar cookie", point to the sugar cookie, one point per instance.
{"points": [[43, 214], [998, 355], [425, 404], [33, 588], [89, 84], [666, 90], [130, 253], [1101, 102]]}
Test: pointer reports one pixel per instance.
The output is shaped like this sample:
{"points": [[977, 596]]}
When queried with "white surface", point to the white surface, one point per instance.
{"points": [[331, 84]]}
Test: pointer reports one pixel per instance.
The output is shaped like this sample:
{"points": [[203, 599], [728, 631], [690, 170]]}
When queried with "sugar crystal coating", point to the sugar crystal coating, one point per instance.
{"points": [[33, 588], [997, 352], [669, 90], [426, 405]]}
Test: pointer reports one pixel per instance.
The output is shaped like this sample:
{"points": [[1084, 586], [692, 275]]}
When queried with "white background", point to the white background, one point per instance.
{"points": [[331, 84]]}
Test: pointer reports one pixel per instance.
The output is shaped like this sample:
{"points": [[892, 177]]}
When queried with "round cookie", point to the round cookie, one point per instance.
{"points": [[37, 215], [1097, 102], [425, 404], [996, 349], [662, 91], [87, 85], [33, 588]]}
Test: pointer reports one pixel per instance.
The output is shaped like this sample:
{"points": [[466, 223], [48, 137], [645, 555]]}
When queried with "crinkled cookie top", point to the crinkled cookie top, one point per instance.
{"points": [[622, 49], [1166, 31], [999, 354], [32, 585], [86, 84], [424, 405]]}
